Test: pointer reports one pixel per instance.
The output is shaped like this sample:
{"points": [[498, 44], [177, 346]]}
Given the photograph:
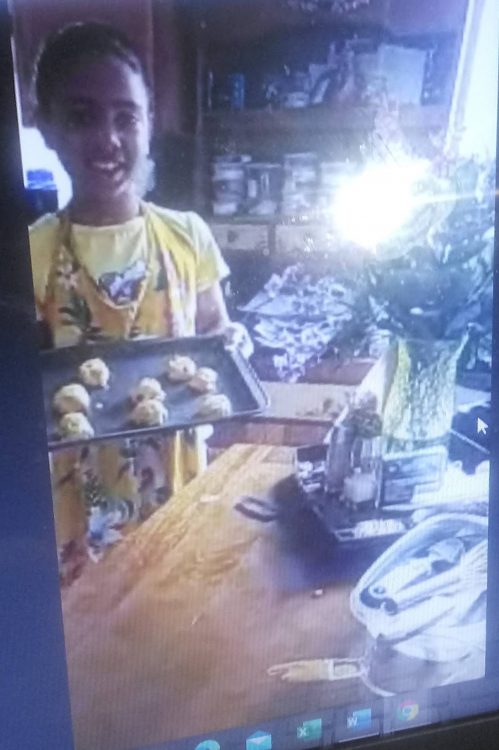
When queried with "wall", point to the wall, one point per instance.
{"points": [[475, 105], [36, 155]]}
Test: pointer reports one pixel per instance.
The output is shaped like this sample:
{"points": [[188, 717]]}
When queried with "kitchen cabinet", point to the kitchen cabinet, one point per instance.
{"points": [[242, 237], [408, 17], [257, 18], [255, 37], [244, 128]]}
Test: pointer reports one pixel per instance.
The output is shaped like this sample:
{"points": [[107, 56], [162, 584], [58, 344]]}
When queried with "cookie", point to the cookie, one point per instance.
{"points": [[147, 389], [94, 373], [180, 369], [149, 413], [214, 405], [75, 426], [204, 381], [71, 398]]}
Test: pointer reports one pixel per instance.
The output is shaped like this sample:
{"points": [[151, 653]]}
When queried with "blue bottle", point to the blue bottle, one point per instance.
{"points": [[237, 89], [41, 193]]}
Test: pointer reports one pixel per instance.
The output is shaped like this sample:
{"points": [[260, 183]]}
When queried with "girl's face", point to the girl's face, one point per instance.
{"points": [[100, 127]]}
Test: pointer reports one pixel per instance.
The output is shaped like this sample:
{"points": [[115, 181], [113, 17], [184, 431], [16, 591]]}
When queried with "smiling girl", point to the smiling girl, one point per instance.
{"points": [[113, 266]]}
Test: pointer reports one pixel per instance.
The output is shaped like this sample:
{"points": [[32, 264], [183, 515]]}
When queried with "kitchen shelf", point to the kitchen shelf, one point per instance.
{"points": [[235, 37], [319, 119], [262, 18], [268, 221]]}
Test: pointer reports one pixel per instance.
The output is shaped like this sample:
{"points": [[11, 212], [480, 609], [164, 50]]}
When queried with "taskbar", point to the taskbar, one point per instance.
{"points": [[379, 716]]}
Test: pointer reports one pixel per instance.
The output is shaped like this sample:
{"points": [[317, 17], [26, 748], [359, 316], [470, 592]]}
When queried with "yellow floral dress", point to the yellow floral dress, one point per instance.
{"points": [[140, 278]]}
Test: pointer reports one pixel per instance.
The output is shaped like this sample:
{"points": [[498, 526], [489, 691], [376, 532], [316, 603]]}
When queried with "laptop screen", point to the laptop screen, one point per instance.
{"points": [[262, 251]]}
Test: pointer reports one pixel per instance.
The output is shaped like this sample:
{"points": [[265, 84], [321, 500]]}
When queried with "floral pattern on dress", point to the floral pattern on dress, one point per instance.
{"points": [[104, 490]]}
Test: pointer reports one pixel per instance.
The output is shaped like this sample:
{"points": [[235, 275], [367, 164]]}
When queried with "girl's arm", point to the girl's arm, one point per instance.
{"points": [[212, 318], [211, 314]]}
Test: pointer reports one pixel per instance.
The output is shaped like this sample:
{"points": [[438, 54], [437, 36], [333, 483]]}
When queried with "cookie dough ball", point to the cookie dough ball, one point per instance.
{"points": [[204, 381], [149, 413], [214, 405], [94, 373], [148, 389], [180, 369], [71, 398], [75, 426]]}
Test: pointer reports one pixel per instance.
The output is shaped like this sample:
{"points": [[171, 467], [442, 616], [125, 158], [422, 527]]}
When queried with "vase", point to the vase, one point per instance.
{"points": [[420, 405]]}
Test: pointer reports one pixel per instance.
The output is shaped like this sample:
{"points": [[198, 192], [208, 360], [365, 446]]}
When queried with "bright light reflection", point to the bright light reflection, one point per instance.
{"points": [[370, 208]]}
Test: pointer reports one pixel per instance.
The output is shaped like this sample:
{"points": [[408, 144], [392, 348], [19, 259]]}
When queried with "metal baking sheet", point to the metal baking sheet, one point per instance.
{"points": [[129, 362]]}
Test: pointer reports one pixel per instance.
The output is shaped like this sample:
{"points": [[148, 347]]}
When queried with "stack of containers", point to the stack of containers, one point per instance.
{"points": [[300, 183], [229, 184]]}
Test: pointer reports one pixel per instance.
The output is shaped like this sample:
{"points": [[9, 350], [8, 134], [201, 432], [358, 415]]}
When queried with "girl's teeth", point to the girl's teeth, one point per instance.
{"points": [[106, 166]]}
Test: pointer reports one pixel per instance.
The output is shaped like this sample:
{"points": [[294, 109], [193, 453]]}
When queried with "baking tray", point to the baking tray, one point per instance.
{"points": [[129, 361]]}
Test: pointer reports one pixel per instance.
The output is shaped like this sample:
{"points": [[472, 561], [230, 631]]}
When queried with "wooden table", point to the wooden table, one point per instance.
{"points": [[301, 413], [173, 633]]}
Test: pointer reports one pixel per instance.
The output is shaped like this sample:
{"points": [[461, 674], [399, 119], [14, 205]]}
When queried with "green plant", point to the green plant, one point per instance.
{"points": [[437, 279]]}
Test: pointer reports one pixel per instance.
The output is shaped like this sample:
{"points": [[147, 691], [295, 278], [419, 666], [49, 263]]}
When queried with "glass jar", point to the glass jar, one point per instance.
{"points": [[338, 461], [228, 184], [300, 170], [263, 188]]}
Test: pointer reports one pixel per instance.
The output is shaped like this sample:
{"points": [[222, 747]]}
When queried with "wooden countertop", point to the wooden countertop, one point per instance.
{"points": [[306, 402], [173, 633]]}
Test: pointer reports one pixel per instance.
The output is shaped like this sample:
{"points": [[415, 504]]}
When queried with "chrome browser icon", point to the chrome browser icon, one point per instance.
{"points": [[407, 710]]}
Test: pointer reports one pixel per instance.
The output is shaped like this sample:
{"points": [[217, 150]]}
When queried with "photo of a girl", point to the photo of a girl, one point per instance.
{"points": [[111, 265], [286, 185]]}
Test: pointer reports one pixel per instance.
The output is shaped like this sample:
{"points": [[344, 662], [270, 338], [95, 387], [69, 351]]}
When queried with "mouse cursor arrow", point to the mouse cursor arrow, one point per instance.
{"points": [[481, 426]]}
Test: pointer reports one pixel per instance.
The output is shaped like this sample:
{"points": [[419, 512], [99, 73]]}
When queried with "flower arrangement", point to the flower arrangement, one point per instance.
{"points": [[438, 281], [430, 284]]}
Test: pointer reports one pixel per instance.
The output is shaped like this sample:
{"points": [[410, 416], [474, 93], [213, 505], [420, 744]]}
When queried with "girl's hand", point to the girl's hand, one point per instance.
{"points": [[212, 318], [237, 337]]}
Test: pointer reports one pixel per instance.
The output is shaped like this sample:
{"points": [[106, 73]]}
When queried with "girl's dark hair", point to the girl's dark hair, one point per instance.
{"points": [[63, 50]]}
